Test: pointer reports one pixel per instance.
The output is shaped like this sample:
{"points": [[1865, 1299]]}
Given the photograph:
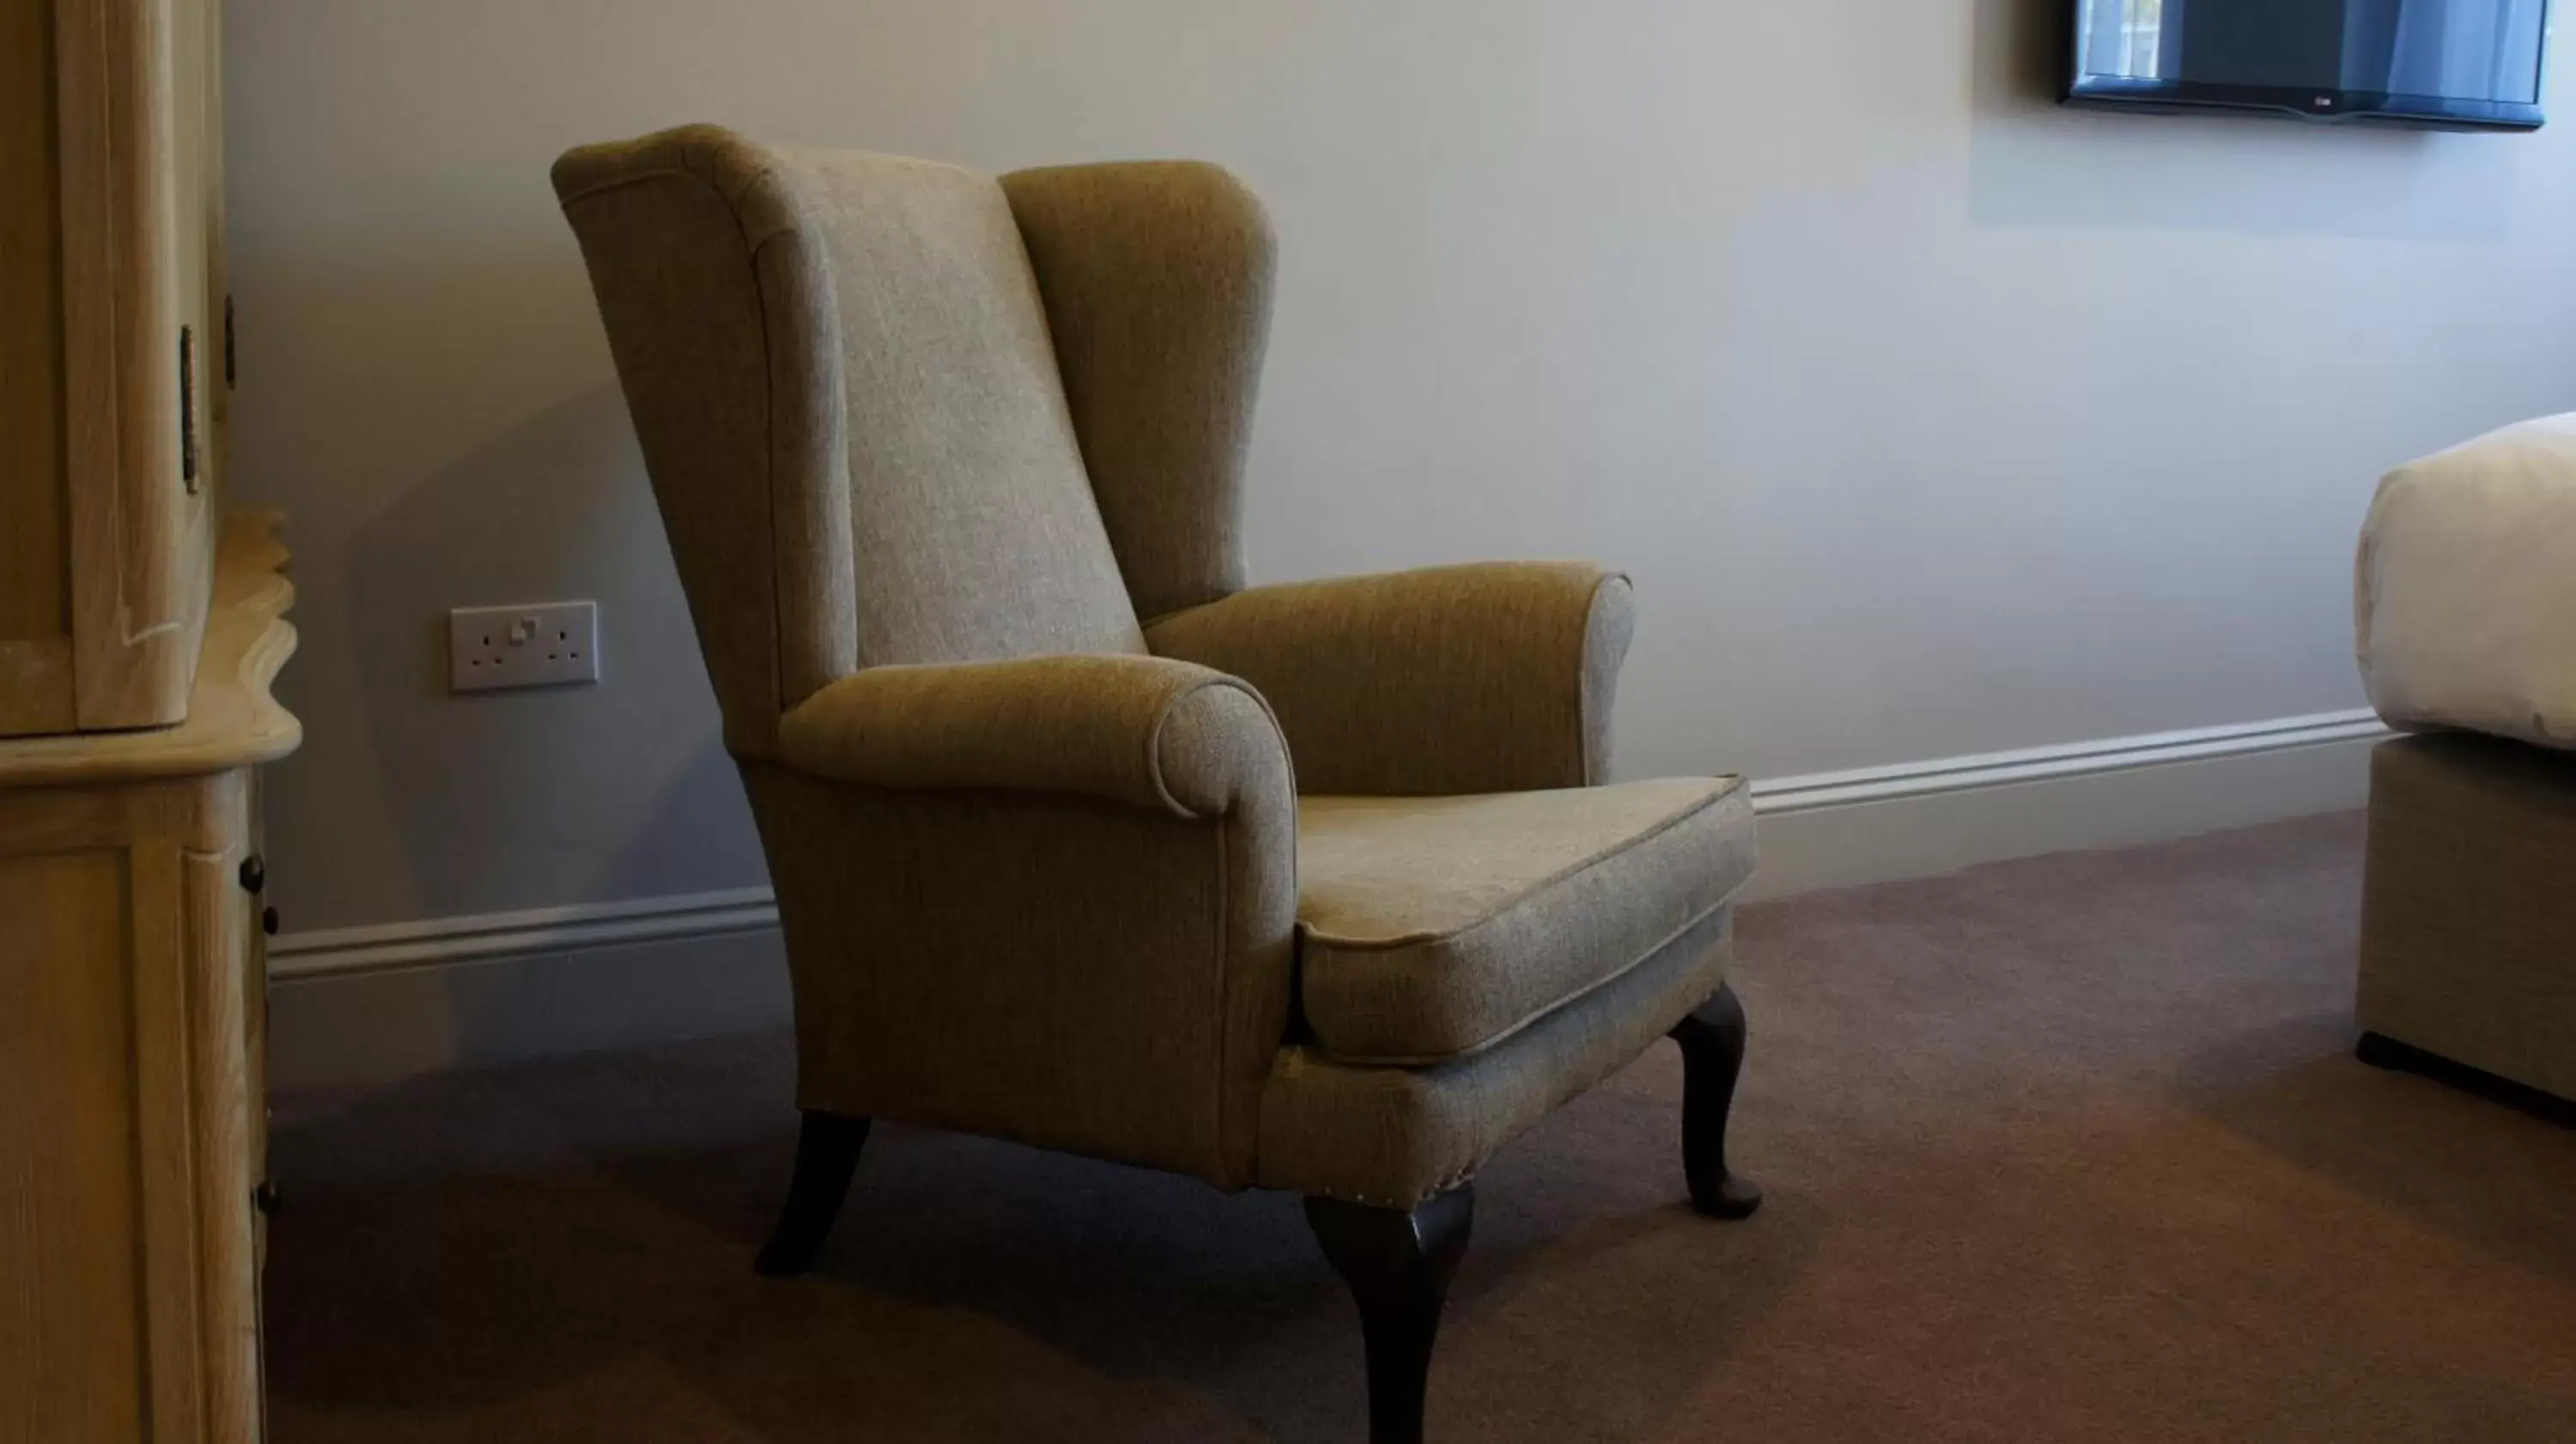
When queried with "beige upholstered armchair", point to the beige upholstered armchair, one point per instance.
{"points": [[1077, 839]]}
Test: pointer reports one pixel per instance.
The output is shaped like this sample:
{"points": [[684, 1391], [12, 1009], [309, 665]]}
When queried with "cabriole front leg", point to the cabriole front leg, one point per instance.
{"points": [[1398, 1265], [827, 1153], [1712, 1042]]}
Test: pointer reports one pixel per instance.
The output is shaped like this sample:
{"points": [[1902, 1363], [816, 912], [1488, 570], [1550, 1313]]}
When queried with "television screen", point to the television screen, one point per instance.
{"points": [[2454, 62]]}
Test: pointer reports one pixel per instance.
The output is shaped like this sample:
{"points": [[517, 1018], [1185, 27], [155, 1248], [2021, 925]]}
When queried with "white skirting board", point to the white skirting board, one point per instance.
{"points": [[371, 1004], [1920, 819]]}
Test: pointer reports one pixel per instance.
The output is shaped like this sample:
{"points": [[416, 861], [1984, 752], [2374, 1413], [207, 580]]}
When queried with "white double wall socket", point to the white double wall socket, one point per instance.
{"points": [[540, 644]]}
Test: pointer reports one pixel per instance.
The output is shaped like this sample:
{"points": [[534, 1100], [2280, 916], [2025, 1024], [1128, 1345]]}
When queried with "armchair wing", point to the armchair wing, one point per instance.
{"points": [[1493, 677]]}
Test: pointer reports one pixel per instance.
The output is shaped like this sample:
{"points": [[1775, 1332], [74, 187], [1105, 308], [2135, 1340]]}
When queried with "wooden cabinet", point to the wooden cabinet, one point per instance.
{"points": [[132, 1023], [114, 357], [139, 630]]}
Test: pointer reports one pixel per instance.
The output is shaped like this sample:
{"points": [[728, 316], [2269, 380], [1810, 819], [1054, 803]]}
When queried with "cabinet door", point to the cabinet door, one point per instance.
{"points": [[128, 1314], [73, 1339], [35, 535], [130, 83]]}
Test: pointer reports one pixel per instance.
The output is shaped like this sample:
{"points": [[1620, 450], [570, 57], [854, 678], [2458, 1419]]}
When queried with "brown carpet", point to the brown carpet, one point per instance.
{"points": [[2064, 1150]]}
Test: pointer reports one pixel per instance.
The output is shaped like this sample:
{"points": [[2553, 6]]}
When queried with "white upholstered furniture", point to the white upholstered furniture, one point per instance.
{"points": [[2466, 611]]}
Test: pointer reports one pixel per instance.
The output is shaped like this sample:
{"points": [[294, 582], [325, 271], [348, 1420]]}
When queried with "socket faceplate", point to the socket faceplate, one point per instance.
{"points": [[533, 644]]}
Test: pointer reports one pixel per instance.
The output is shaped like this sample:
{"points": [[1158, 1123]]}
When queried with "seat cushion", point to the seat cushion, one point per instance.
{"points": [[1430, 927], [1392, 1137]]}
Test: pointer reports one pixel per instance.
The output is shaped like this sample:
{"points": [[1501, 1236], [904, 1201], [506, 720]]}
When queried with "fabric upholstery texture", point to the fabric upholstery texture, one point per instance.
{"points": [[2468, 937], [1140, 730], [1157, 279], [973, 519], [1489, 677], [860, 336], [1431, 927], [1049, 967], [927, 446], [1393, 1137], [716, 300]]}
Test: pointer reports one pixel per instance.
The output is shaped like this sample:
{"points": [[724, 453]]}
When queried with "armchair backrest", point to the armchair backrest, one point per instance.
{"points": [[896, 411]]}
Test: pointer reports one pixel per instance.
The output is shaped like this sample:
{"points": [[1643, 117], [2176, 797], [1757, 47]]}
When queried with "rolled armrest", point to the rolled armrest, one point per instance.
{"points": [[1495, 677], [1146, 731]]}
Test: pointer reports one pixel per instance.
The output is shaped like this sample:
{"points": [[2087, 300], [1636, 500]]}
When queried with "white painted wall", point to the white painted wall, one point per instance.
{"points": [[1931, 419]]}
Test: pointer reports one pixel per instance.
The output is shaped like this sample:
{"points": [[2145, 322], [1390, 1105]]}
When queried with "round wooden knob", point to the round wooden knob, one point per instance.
{"points": [[268, 921], [254, 873]]}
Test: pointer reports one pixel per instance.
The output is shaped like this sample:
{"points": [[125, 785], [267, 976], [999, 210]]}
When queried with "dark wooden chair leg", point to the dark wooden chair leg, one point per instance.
{"points": [[1398, 1266], [1712, 1042], [827, 1153]]}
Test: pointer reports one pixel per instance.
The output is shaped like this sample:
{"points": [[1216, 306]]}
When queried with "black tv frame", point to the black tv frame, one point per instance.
{"points": [[2430, 112]]}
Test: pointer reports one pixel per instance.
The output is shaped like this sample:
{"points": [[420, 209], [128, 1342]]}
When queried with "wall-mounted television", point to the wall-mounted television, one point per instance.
{"points": [[2455, 63]]}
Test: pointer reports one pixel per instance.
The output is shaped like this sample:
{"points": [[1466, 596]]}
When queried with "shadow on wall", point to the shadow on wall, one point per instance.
{"points": [[513, 799], [2033, 162]]}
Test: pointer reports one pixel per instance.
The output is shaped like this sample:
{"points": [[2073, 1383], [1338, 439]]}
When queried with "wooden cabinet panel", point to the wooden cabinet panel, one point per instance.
{"points": [[216, 943], [216, 243], [110, 450], [255, 1088], [145, 539], [128, 1305], [195, 202], [72, 1332], [35, 577]]}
